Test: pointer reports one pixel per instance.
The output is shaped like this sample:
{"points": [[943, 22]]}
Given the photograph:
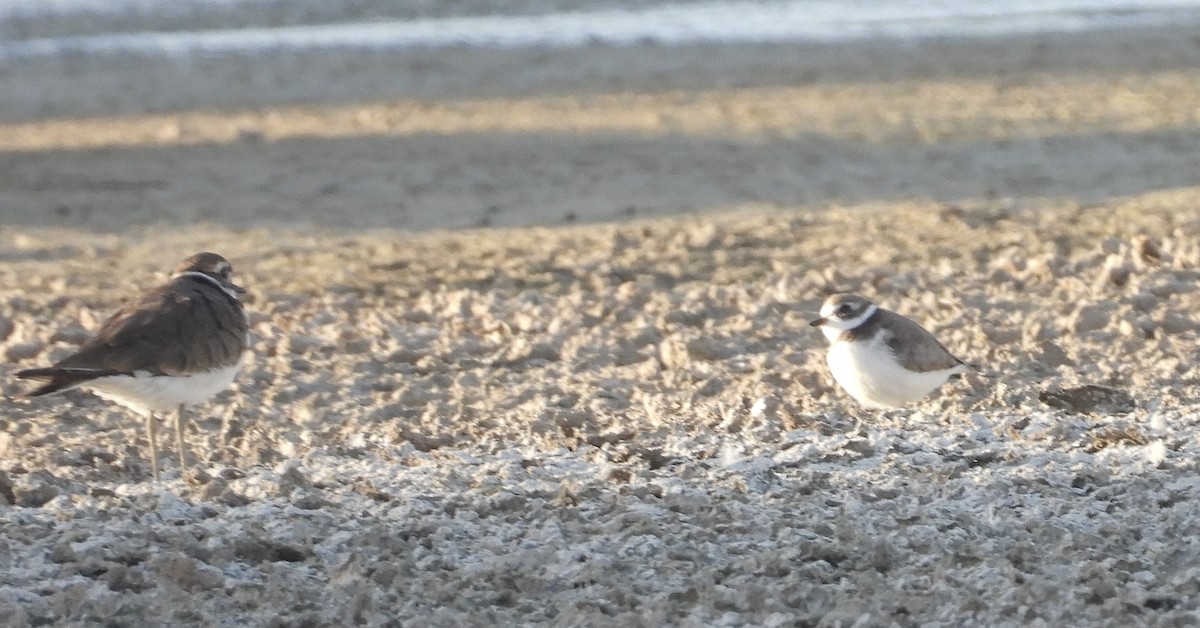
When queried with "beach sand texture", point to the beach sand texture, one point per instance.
{"points": [[529, 340]]}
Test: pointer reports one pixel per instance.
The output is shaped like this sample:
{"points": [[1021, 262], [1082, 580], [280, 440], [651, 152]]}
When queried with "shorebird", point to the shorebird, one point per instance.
{"points": [[176, 346], [881, 358]]}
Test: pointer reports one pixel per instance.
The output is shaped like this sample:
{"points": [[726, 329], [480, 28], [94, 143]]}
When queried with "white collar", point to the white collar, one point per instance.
{"points": [[192, 273]]}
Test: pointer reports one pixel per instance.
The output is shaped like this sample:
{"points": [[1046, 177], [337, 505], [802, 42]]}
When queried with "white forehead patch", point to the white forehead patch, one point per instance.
{"points": [[833, 322], [830, 307]]}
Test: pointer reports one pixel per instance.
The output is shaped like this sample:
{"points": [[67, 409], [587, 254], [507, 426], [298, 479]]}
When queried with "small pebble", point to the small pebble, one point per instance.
{"points": [[1091, 317]]}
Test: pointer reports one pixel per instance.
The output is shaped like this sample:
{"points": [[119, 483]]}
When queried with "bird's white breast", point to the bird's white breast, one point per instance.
{"points": [[868, 370], [147, 394]]}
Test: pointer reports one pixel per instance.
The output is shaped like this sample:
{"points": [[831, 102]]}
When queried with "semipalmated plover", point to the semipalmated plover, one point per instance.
{"points": [[176, 346], [881, 358]]}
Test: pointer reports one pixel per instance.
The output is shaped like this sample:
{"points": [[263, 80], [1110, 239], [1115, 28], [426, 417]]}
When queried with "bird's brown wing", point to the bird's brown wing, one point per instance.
{"points": [[915, 347], [183, 327]]}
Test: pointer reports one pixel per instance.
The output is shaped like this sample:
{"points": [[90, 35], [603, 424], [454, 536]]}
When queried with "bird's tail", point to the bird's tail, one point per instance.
{"points": [[57, 378], [963, 368]]}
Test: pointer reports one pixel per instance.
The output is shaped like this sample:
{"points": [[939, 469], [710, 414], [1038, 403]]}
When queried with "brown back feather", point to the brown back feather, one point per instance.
{"points": [[908, 342], [153, 333]]}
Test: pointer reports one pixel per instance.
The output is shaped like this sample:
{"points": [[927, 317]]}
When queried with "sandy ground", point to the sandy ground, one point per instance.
{"points": [[600, 404]]}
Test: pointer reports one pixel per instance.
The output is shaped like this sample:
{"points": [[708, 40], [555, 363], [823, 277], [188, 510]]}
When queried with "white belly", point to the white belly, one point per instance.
{"points": [[869, 372], [146, 394]]}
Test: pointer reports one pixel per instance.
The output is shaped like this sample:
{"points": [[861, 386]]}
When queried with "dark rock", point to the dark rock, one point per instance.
{"points": [[311, 501], [1089, 399], [6, 490], [291, 479], [187, 572], [256, 550], [1053, 355], [37, 495]]}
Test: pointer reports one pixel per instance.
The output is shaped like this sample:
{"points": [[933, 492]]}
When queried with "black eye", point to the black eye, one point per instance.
{"points": [[843, 310]]}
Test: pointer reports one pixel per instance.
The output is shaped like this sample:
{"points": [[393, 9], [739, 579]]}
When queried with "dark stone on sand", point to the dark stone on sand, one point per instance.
{"points": [[1089, 399]]}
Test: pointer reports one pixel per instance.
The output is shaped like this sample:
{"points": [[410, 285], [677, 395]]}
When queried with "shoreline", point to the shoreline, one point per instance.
{"points": [[75, 86], [388, 27]]}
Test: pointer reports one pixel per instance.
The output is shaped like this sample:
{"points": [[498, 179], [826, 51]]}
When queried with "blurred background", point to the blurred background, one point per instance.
{"points": [[426, 114]]}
